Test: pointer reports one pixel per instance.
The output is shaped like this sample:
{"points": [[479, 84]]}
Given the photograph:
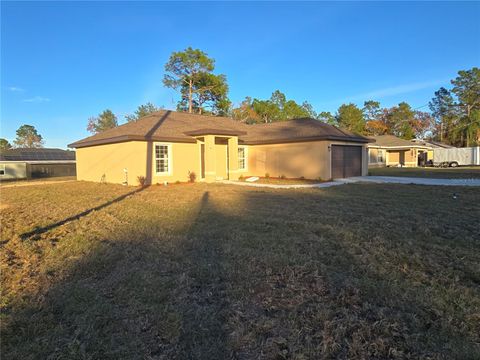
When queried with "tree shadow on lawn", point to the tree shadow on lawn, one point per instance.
{"points": [[254, 277], [40, 230]]}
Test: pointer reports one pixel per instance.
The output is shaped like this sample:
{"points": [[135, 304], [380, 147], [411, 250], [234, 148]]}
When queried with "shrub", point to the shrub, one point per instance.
{"points": [[141, 180], [241, 178], [282, 176], [320, 179], [267, 175], [192, 176], [177, 182], [302, 177]]}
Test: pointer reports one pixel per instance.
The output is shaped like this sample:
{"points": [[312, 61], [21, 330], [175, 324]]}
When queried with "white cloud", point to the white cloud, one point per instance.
{"points": [[15, 89], [395, 90], [37, 99]]}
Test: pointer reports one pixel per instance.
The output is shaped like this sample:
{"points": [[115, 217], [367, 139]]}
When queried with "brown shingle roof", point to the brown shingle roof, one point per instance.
{"points": [[297, 129], [392, 141], [181, 127]]}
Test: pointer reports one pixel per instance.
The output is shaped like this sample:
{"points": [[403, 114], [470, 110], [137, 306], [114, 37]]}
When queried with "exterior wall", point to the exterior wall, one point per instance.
{"points": [[311, 160], [410, 157], [108, 161], [14, 170], [185, 157], [292, 160]]}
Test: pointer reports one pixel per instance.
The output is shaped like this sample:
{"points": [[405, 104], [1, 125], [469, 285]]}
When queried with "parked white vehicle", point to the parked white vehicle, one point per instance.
{"points": [[456, 156]]}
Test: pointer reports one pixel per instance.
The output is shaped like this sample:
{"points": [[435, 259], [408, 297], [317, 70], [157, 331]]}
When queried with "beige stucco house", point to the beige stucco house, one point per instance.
{"points": [[166, 146], [389, 150]]}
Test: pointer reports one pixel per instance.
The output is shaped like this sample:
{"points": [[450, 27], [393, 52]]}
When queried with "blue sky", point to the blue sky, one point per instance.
{"points": [[63, 62]]}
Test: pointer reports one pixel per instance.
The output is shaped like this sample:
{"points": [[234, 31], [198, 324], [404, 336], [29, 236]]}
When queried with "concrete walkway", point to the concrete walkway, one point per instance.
{"points": [[364, 179], [413, 180], [285, 186]]}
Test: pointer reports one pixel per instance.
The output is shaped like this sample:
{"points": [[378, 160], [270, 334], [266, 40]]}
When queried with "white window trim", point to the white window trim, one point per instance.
{"points": [[380, 151], [245, 156], [4, 169], [170, 158]]}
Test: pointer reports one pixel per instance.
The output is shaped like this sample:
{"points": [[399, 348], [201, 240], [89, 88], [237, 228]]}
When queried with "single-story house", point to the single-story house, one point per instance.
{"points": [[27, 163], [432, 144], [389, 150], [166, 146]]}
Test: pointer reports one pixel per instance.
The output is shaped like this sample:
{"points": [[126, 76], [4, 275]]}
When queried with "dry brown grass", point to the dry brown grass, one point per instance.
{"points": [[285, 181], [217, 271]]}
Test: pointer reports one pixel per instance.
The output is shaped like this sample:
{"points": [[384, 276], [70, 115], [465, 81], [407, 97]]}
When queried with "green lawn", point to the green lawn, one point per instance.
{"points": [[467, 172], [358, 271]]}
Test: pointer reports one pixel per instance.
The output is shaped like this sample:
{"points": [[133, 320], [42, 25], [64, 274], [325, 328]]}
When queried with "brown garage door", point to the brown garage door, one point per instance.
{"points": [[346, 161]]}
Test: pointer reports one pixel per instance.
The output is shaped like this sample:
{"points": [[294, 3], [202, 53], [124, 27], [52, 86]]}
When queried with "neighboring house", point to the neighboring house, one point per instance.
{"points": [[389, 150], [167, 145], [26, 163], [432, 144]]}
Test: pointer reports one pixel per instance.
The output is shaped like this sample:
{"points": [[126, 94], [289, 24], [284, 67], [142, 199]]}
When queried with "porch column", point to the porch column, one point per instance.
{"points": [[233, 158], [210, 166]]}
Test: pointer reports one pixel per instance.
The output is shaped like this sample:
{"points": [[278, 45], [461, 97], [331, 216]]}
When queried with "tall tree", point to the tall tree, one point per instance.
{"points": [[142, 110], [104, 121], [266, 110], [423, 124], [374, 117], [327, 117], [350, 117], [445, 112], [28, 137], [191, 72], [245, 112], [308, 109], [401, 118], [277, 108], [4, 144], [371, 110], [466, 86], [211, 95]]}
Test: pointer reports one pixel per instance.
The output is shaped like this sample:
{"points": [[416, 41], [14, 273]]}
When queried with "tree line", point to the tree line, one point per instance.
{"points": [[453, 118]]}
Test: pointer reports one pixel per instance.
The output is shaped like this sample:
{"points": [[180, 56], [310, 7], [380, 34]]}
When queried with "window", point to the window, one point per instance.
{"points": [[2, 169], [380, 156], [242, 158], [162, 159]]}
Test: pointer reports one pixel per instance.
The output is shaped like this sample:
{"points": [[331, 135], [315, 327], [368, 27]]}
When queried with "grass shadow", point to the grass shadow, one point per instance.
{"points": [[44, 229]]}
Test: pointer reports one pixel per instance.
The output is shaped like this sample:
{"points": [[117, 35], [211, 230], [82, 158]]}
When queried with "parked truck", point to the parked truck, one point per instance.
{"points": [[454, 157]]}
